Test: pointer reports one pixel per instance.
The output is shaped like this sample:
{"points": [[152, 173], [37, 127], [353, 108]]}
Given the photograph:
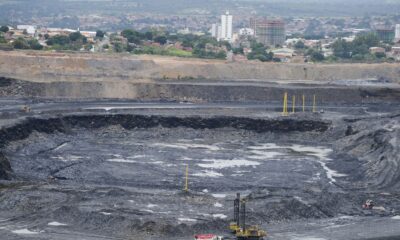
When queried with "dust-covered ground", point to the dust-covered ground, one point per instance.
{"points": [[111, 175]]}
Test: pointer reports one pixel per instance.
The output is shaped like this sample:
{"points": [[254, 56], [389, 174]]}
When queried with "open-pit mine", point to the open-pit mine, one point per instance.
{"points": [[97, 146]]}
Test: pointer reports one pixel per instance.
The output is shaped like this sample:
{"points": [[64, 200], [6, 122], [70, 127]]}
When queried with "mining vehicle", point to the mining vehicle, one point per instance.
{"points": [[25, 109], [369, 204], [238, 226], [234, 226], [207, 237]]}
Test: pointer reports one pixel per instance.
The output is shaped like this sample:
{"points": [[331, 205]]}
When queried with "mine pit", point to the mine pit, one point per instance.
{"points": [[124, 174]]}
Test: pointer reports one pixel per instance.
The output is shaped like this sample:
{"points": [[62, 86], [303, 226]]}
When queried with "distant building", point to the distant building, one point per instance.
{"points": [[396, 50], [283, 54], [385, 34], [349, 39], [88, 34], [55, 31], [293, 41], [216, 31], [374, 50], [246, 32], [395, 53], [253, 25], [219, 32], [184, 31], [31, 30], [226, 27], [223, 31], [269, 32], [397, 33]]}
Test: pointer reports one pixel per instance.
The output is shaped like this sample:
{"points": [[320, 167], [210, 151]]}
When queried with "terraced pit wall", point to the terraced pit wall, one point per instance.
{"points": [[88, 76], [50, 67], [198, 92], [372, 147], [62, 124]]}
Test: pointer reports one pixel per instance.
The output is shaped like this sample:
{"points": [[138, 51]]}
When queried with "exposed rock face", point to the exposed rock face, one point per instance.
{"points": [[198, 92], [50, 67], [375, 143], [83, 76], [5, 167]]}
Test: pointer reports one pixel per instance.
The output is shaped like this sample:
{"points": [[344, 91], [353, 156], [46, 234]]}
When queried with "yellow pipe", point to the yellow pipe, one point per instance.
{"points": [[284, 102], [304, 100], [186, 179], [293, 104], [314, 105]]}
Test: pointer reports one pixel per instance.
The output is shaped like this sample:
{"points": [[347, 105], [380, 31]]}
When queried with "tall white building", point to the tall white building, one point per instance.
{"points": [[397, 35], [214, 30], [226, 27]]}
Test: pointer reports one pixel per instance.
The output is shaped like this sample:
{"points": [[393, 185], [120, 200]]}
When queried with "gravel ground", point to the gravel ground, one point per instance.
{"points": [[93, 178]]}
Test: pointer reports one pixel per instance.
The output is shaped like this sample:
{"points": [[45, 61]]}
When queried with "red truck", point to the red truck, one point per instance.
{"points": [[207, 237]]}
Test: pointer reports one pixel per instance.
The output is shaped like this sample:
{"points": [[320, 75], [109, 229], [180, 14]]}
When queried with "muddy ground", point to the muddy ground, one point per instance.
{"points": [[115, 170]]}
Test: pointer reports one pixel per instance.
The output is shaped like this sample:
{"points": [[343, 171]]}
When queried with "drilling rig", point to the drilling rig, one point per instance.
{"points": [[239, 227]]}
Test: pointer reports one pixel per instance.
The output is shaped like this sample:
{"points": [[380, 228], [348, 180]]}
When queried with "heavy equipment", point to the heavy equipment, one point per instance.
{"points": [[207, 237], [25, 109], [234, 226], [239, 227], [369, 204]]}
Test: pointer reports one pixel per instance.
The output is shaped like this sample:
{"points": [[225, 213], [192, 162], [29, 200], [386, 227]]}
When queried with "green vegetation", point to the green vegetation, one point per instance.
{"points": [[238, 50], [201, 53], [315, 55], [34, 44], [163, 51], [118, 47], [58, 40], [132, 36], [259, 52], [380, 55], [161, 40], [357, 50], [4, 29], [164, 43], [75, 41], [299, 45], [100, 34], [2, 39], [22, 43]]}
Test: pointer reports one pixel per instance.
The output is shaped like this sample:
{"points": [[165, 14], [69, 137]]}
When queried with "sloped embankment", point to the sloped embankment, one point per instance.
{"points": [[375, 143], [62, 124], [195, 91]]}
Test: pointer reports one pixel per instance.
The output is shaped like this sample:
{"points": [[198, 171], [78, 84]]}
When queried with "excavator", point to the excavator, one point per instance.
{"points": [[238, 226]]}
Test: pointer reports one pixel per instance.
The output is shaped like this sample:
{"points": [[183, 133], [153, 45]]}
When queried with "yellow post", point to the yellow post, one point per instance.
{"points": [[293, 104], [186, 178], [304, 102], [285, 104], [314, 109]]}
